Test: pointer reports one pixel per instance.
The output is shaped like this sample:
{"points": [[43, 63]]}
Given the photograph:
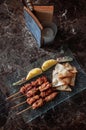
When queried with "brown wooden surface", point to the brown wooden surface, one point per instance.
{"points": [[44, 13]]}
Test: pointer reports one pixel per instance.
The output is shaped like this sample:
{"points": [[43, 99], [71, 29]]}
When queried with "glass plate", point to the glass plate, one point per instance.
{"points": [[30, 114]]}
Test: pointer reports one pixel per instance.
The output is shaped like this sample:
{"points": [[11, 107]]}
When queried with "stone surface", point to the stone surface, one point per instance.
{"points": [[18, 49]]}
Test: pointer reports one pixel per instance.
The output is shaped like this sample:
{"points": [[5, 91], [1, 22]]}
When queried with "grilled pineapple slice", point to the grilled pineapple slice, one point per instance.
{"points": [[48, 64], [34, 72]]}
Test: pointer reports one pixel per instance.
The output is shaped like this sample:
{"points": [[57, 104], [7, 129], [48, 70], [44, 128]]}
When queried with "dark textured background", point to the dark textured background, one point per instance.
{"points": [[18, 48]]}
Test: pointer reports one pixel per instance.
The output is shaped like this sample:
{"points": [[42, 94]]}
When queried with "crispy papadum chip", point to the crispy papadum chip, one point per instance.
{"points": [[68, 89], [59, 68], [34, 72], [48, 64], [64, 73], [68, 66], [64, 76], [74, 70], [55, 80], [66, 80], [64, 88], [72, 82], [58, 83]]}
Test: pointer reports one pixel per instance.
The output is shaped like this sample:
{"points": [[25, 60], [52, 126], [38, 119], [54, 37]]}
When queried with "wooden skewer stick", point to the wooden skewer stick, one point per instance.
{"points": [[15, 94], [24, 110], [18, 97], [18, 104]]}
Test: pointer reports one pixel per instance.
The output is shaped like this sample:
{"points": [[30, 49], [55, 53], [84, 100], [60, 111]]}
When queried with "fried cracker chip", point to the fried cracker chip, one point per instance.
{"points": [[55, 80], [64, 76], [68, 66], [59, 68], [67, 80], [64, 73], [74, 70], [64, 88], [72, 82]]}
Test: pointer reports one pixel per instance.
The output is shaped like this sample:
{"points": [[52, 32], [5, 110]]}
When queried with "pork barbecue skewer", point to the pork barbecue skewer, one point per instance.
{"points": [[31, 100], [26, 87], [34, 92], [40, 102], [30, 92], [37, 92]]}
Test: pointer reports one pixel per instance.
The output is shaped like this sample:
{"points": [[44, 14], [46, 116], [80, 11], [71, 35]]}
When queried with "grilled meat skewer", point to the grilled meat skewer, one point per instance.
{"points": [[45, 86], [34, 98], [36, 83], [32, 92], [40, 102], [50, 97], [31, 100], [45, 93], [25, 88]]}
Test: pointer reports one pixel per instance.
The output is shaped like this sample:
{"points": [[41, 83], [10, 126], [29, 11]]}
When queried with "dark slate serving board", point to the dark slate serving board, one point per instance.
{"points": [[63, 96]]}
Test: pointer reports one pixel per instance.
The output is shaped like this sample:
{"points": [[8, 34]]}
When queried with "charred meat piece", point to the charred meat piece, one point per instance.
{"points": [[32, 92], [50, 97], [31, 100], [36, 83], [46, 93], [45, 86], [41, 80], [44, 79], [25, 88], [22, 90], [28, 87], [38, 103]]}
